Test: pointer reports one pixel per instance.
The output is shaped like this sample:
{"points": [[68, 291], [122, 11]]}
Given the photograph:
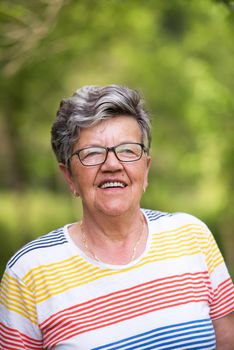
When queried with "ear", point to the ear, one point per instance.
{"points": [[148, 160], [68, 177], [148, 164]]}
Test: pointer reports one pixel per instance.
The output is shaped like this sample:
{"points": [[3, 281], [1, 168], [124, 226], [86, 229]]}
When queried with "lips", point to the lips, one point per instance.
{"points": [[112, 184]]}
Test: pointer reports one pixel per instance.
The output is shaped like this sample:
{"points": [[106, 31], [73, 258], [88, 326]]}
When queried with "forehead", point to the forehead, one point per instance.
{"points": [[111, 132]]}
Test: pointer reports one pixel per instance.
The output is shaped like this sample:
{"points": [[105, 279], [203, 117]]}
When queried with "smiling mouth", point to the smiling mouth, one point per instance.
{"points": [[112, 184]]}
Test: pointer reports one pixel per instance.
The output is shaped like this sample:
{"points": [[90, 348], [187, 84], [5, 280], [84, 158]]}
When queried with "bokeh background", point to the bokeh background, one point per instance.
{"points": [[178, 53]]}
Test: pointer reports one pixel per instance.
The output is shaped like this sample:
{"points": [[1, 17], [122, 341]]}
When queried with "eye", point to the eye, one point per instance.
{"points": [[128, 151], [91, 152]]}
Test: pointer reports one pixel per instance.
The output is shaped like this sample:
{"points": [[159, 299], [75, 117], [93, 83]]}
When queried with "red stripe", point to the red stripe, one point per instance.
{"points": [[223, 300], [225, 308], [224, 311], [12, 339], [127, 304], [79, 330], [132, 299], [224, 288], [145, 303], [228, 296], [161, 285]]}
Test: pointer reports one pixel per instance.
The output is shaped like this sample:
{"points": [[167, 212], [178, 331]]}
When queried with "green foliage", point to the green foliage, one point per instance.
{"points": [[30, 214], [178, 53]]}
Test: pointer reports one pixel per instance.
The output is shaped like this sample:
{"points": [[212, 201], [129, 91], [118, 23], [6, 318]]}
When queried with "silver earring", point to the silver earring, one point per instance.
{"points": [[75, 194]]}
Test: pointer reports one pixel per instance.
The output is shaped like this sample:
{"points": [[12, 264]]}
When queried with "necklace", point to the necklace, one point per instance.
{"points": [[86, 246]]}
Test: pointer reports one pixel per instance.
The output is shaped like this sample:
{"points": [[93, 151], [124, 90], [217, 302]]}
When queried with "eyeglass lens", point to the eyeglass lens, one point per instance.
{"points": [[96, 155]]}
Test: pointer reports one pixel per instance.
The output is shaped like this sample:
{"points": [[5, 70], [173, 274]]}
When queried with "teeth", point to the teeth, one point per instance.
{"points": [[112, 184]]}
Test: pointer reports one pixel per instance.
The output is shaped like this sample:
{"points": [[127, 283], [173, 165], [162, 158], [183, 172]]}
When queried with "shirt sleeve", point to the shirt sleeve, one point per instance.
{"points": [[18, 317], [222, 301]]}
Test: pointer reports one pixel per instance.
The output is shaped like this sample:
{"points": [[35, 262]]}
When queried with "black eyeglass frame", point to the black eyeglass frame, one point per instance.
{"points": [[110, 149]]}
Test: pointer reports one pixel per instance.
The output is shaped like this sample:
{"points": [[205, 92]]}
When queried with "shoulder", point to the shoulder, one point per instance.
{"points": [[172, 221], [153, 215], [39, 248]]}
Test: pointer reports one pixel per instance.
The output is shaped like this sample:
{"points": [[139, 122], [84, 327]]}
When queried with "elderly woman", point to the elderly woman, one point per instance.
{"points": [[123, 277]]}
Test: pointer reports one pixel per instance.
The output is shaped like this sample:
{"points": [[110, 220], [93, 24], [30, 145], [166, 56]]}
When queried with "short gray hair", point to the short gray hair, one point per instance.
{"points": [[88, 106]]}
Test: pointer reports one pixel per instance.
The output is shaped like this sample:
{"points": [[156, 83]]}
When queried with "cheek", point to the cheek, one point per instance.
{"points": [[140, 177], [84, 181]]}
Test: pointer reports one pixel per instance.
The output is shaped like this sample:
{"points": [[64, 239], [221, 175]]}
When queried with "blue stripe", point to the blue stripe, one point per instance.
{"points": [[180, 343], [49, 240], [189, 335], [153, 215], [163, 341]]}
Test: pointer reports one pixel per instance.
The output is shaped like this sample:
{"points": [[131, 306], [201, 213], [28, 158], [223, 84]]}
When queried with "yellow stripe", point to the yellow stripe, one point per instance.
{"points": [[56, 276], [182, 230], [214, 258], [62, 276], [11, 283], [8, 295], [16, 307], [51, 290], [57, 267], [16, 297]]}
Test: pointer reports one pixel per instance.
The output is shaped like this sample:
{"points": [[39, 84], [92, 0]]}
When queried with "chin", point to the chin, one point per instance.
{"points": [[114, 210], [116, 206]]}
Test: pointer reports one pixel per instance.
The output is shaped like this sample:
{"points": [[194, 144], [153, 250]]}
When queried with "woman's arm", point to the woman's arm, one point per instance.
{"points": [[224, 330]]}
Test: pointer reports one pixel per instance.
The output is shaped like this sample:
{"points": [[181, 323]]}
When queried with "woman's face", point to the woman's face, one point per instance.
{"points": [[88, 181]]}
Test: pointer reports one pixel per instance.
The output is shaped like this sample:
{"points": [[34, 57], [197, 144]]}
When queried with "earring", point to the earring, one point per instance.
{"points": [[75, 194]]}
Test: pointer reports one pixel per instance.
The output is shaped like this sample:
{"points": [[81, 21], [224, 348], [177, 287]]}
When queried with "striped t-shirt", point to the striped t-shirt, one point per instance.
{"points": [[55, 297]]}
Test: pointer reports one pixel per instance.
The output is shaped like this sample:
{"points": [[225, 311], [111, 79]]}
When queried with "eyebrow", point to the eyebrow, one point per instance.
{"points": [[118, 144]]}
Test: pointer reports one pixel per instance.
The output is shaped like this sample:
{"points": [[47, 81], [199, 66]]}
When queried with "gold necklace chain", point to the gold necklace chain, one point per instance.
{"points": [[85, 243]]}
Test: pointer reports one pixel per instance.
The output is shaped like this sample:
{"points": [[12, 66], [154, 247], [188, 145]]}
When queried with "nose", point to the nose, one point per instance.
{"points": [[112, 162]]}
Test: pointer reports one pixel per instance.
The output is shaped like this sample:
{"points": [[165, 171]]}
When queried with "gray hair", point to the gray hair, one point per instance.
{"points": [[88, 106]]}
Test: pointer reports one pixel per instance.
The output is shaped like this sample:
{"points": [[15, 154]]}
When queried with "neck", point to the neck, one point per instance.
{"points": [[113, 240], [112, 228]]}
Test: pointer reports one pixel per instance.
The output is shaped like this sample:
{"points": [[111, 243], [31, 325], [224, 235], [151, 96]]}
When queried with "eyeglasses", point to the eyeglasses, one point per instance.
{"points": [[125, 152]]}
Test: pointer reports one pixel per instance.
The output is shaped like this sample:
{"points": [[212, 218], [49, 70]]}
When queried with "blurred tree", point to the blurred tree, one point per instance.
{"points": [[180, 54], [228, 3]]}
